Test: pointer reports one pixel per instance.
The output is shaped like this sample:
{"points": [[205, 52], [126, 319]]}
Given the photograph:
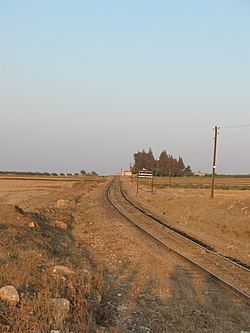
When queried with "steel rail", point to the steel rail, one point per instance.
{"points": [[176, 232], [206, 271]]}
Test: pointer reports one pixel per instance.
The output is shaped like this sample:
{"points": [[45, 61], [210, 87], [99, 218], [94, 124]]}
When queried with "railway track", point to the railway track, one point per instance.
{"points": [[228, 273]]}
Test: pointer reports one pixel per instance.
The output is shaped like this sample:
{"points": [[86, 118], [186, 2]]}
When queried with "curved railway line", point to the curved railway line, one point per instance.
{"points": [[228, 273]]}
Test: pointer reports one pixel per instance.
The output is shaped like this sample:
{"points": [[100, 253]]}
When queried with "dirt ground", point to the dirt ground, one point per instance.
{"points": [[133, 284], [223, 223]]}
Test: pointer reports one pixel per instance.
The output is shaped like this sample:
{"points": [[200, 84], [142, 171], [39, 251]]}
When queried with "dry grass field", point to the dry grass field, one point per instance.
{"points": [[241, 183], [223, 222], [113, 279], [35, 237]]}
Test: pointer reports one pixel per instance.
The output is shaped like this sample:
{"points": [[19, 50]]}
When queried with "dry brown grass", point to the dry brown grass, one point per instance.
{"points": [[198, 182], [27, 256], [26, 261]]}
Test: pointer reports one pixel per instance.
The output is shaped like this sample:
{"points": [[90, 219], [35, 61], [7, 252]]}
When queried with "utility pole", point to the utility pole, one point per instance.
{"points": [[214, 160], [137, 184]]}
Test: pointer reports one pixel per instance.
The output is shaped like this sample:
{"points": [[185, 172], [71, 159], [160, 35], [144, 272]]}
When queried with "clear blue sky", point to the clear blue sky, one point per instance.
{"points": [[85, 84]]}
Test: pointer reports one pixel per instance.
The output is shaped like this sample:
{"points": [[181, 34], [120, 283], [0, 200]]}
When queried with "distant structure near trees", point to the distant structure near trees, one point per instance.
{"points": [[165, 165]]}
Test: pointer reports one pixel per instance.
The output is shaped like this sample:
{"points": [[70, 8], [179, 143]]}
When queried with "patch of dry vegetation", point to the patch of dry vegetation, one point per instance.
{"points": [[31, 245], [92, 273]]}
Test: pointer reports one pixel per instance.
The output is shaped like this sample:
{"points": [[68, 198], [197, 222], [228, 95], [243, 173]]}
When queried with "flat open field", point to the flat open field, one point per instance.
{"points": [[116, 279], [19, 189], [241, 183]]}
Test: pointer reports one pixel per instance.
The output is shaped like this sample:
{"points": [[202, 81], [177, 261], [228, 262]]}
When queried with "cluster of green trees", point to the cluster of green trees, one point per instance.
{"points": [[163, 166]]}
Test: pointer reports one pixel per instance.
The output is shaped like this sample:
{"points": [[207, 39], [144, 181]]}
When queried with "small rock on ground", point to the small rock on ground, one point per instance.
{"points": [[9, 295], [63, 203], [62, 270], [61, 225], [61, 308]]}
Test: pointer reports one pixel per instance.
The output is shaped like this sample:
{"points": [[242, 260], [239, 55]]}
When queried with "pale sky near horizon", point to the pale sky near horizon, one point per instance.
{"points": [[85, 84]]}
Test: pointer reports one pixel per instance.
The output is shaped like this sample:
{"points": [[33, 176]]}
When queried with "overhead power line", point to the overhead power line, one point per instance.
{"points": [[196, 149], [228, 135], [204, 145], [238, 126]]}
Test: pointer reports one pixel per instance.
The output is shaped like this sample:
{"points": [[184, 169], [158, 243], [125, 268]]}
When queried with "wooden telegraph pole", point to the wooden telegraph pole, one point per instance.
{"points": [[214, 160], [152, 185], [137, 184]]}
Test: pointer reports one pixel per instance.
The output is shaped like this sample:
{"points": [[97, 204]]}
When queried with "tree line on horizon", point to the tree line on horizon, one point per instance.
{"points": [[165, 165], [37, 173]]}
